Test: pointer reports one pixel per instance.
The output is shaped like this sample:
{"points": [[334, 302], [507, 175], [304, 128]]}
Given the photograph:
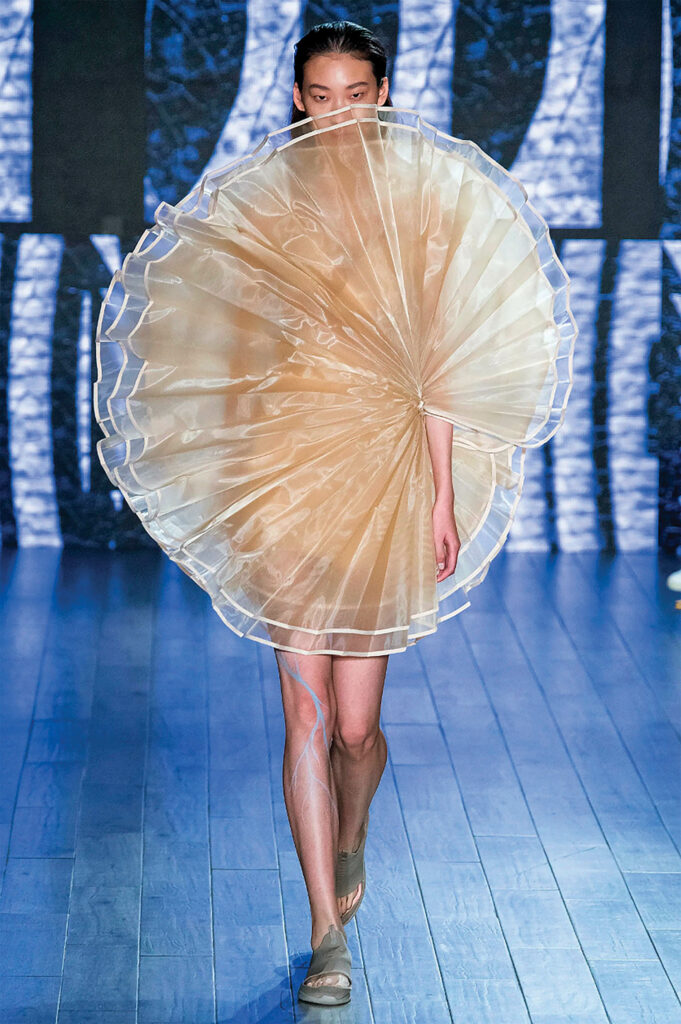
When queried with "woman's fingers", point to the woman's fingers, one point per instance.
{"points": [[449, 545]]}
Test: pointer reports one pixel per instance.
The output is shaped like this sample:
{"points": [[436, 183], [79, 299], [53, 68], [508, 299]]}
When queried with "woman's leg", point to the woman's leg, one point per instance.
{"points": [[309, 788], [359, 750], [331, 711]]}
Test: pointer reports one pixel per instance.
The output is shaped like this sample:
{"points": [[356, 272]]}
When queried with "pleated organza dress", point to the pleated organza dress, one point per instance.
{"points": [[268, 353]]}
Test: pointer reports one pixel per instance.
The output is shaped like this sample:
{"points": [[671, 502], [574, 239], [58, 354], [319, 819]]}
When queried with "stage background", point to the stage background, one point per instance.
{"points": [[106, 109]]}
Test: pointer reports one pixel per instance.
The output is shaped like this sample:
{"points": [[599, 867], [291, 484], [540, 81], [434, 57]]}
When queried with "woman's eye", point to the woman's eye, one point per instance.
{"points": [[319, 99]]}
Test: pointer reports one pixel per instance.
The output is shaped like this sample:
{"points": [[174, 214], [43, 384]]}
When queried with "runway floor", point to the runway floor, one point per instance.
{"points": [[523, 859]]}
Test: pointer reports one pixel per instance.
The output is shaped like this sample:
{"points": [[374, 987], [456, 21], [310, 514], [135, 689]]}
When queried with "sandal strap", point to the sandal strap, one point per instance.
{"points": [[331, 956], [350, 866]]}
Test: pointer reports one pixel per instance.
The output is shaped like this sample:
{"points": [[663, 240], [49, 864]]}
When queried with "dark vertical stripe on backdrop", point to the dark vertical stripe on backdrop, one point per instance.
{"points": [[599, 402], [633, 200], [89, 131], [385, 22], [317, 11], [193, 71], [8, 264], [500, 58]]}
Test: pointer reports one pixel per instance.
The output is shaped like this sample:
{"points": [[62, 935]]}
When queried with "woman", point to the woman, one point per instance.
{"points": [[282, 361], [335, 751]]}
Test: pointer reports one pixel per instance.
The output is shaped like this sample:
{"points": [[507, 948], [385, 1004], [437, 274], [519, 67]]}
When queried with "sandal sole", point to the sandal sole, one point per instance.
{"points": [[324, 995]]}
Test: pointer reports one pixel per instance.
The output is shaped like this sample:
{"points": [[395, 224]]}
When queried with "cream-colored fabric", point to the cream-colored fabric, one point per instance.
{"points": [[268, 353]]}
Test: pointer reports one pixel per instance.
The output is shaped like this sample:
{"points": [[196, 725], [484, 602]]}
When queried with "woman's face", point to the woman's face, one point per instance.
{"points": [[332, 80]]}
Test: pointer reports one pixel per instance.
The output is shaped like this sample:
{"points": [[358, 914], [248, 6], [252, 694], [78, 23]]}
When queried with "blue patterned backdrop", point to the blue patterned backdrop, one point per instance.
{"points": [[587, 114]]}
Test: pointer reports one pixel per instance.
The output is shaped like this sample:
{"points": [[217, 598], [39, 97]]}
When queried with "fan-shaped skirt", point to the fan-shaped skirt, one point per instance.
{"points": [[268, 355]]}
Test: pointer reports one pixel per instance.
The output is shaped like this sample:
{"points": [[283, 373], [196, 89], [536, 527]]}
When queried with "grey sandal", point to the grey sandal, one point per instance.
{"points": [[331, 956], [350, 871]]}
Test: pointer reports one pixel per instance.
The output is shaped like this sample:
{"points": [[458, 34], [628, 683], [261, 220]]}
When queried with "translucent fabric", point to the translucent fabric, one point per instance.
{"points": [[268, 353]]}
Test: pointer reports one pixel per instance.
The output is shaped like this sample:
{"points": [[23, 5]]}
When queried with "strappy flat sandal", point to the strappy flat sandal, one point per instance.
{"points": [[350, 871], [331, 956]]}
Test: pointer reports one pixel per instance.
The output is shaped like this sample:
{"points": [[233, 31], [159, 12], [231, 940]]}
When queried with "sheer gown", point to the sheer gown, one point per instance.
{"points": [[269, 351]]}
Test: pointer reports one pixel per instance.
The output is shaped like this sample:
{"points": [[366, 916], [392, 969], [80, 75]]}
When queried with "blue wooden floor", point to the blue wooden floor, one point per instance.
{"points": [[523, 857]]}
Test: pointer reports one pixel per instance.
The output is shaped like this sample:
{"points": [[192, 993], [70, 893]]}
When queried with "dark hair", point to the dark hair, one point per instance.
{"points": [[338, 37]]}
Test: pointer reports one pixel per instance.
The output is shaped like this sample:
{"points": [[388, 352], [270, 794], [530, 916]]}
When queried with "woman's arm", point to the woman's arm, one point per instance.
{"points": [[445, 535]]}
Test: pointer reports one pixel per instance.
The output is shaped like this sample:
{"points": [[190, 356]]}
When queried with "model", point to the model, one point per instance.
{"points": [[318, 375]]}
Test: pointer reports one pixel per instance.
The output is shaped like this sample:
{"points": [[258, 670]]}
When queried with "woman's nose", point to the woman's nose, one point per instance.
{"points": [[346, 115]]}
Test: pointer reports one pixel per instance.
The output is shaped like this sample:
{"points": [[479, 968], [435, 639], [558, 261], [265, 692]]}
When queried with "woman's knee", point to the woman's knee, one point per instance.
{"points": [[302, 717], [307, 694], [356, 739]]}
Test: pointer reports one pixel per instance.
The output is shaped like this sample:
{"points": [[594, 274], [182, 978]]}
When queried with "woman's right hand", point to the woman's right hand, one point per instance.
{"points": [[445, 536]]}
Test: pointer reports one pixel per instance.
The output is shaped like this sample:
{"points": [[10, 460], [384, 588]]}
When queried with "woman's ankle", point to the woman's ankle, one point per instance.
{"points": [[318, 931]]}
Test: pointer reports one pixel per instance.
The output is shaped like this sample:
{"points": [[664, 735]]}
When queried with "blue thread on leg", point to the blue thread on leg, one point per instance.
{"points": [[305, 752]]}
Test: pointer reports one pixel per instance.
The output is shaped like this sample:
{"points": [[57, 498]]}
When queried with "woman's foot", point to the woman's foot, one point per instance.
{"points": [[333, 940], [341, 980], [346, 902], [349, 900], [332, 978], [350, 870]]}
